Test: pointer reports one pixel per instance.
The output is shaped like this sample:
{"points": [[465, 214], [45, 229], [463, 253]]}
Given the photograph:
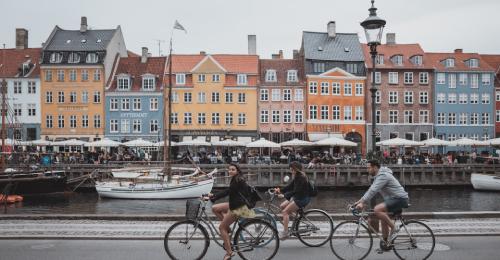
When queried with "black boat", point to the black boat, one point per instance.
{"points": [[34, 182]]}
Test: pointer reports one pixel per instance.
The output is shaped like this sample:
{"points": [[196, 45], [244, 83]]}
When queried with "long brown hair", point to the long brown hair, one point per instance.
{"points": [[298, 168], [239, 176]]}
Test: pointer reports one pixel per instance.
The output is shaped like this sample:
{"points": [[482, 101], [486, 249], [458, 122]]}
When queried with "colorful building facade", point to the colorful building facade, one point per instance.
{"points": [[494, 62]]}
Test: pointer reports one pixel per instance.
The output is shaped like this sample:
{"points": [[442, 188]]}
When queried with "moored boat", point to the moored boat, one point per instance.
{"points": [[485, 182]]}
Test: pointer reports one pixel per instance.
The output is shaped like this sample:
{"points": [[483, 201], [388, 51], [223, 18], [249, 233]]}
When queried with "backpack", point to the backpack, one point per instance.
{"points": [[253, 197], [313, 191]]}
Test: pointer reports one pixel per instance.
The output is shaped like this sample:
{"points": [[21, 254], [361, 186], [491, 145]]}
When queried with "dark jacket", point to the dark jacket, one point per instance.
{"points": [[237, 189], [298, 188]]}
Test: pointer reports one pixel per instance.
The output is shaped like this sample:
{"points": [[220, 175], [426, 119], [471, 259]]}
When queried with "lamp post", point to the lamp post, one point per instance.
{"points": [[373, 26]]}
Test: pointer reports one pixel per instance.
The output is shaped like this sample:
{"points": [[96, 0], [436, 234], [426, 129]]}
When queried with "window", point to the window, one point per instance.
{"points": [[85, 97], [153, 126], [299, 116], [85, 122], [125, 104], [216, 97], [60, 97], [125, 126], [113, 104], [378, 97], [441, 117], [276, 95], [474, 98], [485, 118], [229, 97], [359, 113], [379, 59], [215, 118], [201, 118], [408, 77], [318, 67], [452, 98], [18, 87], [347, 89], [153, 104], [97, 122], [60, 75], [486, 137], [276, 116], [97, 75], [378, 77], [449, 63], [393, 116], [113, 126], [242, 98], [473, 63], [423, 77], [201, 77], [324, 112], [313, 112], [174, 119], [474, 81], [485, 98], [441, 98], [136, 104], [485, 79], [409, 117], [474, 118], [264, 116], [287, 95], [299, 95], [291, 76], [187, 118], [452, 80], [91, 58], [180, 79], [497, 96], [188, 97], [287, 116], [398, 60], [393, 78], [335, 112], [48, 121], [215, 78], [123, 83], [242, 80], [393, 97], [498, 115], [352, 68], [60, 121], [229, 118], [335, 88], [48, 75], [31, 109], [85, 76], [242, 118], [72, 121], [271, 76], [409, 136], [72, 97], [264, 95], [417, 60], [56, 57], [462, 119], [313, 87], [377, 116], [18, 110], [408, 97], [423, 117], [462, 79], [441, 78], [359, 89], [72, 75], [474, 137], [452, 118], [97, 97], [424, 136], [347, 113], [202, 97], [462, 99], [325, 88], [424, 97], [148, 83], [452, 137]]}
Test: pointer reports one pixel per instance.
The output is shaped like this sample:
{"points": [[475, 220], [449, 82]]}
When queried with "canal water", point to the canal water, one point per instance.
{"points": [[333, 201]]}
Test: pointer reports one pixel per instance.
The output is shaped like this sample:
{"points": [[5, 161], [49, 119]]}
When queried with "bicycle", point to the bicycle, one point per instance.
{"points": [[309, 226], [410, 238], [252, 239]]}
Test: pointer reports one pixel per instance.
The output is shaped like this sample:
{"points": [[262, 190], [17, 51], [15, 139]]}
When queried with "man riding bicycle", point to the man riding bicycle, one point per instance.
{"points": [[395, 197]]}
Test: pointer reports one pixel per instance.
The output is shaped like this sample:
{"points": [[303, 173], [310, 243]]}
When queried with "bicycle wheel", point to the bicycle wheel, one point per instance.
{"points": [[186, 240], [313, 228], [264, 215], [414, 240], [256, 239], [351, 240]]}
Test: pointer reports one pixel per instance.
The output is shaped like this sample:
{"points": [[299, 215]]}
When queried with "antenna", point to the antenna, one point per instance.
{"points": [[159, 41]]}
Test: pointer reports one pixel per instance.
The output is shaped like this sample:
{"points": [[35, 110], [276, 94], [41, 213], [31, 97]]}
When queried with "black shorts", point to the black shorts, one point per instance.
{"points": [[395, 204]]}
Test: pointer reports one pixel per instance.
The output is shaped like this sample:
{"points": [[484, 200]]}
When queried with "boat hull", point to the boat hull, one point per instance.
{"points": [[485, 182], [29, 184]]}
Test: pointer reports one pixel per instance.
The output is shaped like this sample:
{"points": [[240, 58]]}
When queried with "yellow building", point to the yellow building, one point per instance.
{"points": [[214, 97], [75, 67]]}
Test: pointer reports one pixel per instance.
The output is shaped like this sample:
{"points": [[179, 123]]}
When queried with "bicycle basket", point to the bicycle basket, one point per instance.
{"points": [[192, 209]]}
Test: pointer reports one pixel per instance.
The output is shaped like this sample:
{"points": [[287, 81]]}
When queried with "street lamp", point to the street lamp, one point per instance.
{"points": [[373, 26]]}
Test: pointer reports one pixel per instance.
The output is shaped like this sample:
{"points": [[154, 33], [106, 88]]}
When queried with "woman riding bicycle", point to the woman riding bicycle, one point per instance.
{"points": [[296, 194], [229, 212]]}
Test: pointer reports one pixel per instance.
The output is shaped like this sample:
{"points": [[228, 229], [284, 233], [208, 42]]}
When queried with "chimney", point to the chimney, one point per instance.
{"points": [[459, 50], [330, 28], [83, 24], [144, 56], [21, 38], [278, 56], [390, 38], [295, 54], [203, 53], [280, 53], [252, 45]]}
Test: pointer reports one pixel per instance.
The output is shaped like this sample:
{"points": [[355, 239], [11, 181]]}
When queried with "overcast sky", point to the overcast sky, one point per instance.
{"points": [[222, 26]]}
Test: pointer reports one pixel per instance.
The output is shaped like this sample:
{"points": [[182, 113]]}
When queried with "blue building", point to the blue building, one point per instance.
{"points": [[134, 99], [464, 97]]}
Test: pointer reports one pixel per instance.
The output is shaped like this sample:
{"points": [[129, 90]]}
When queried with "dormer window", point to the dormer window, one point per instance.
{"points": [[91, 58], [180, 79], [292, 76], [56, 57], [271, 76], [74, 58], [148, 82], [379, 59], [398, 60], [242, 79], [417, 60], [449, 63], [473, 63], [124, 82]]}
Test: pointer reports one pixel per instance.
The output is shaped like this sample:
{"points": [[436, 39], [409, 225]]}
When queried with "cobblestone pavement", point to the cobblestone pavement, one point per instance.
{"points": [[156, 229]]}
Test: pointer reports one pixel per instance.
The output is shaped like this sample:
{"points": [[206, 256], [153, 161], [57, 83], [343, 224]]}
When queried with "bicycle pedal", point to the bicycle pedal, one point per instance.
{"points": [[380, 251]]}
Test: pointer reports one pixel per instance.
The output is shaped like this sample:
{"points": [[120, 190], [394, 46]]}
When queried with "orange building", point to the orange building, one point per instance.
{"points": [[335, 106]]}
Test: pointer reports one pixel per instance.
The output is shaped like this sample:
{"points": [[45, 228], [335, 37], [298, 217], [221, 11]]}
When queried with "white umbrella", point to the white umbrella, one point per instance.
{"points": [[162, 143], [434, 142], [495, 141], [138, 143], [40, 142], [195, 142], [228, 143], [468, 142], [104, 143], [398, 142], [296, 142], [71, 142], [334, 141], [263, 143]]}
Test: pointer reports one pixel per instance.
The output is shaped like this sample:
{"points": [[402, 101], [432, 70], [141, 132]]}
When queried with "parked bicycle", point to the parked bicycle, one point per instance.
{"points": [[313, 227], [353, 239], [189, 239]]}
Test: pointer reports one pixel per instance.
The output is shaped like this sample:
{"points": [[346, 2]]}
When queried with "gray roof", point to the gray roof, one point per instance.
{"points": [[74, 40], [332, 49]]}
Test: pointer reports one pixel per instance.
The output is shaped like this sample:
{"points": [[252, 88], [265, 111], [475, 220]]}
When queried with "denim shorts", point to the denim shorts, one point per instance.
{"points": [[395, 204], [301, 203]]}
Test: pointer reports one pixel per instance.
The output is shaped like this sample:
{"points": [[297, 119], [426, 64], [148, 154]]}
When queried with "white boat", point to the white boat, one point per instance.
{"points": [[485, 182], [129, 184]]}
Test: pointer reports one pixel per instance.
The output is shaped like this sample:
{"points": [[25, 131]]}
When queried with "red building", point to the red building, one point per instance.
{"points": [[494, 62]]}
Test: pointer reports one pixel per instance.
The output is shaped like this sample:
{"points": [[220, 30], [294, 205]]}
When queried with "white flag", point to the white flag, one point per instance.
{"points": [[178, 26]]}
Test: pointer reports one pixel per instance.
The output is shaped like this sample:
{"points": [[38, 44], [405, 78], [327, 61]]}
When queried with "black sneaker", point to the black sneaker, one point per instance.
{"points": [[384, 246]]}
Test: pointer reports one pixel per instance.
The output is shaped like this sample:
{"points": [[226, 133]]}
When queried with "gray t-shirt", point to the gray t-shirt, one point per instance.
{"points": [[387, 185]]}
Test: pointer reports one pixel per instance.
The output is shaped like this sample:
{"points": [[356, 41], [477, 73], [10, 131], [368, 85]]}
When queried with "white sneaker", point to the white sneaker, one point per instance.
{"points": [[284, 235]]}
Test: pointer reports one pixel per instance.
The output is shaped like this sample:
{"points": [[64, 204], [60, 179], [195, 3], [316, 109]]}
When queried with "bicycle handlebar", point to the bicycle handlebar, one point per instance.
{"points": [[271, 191]]}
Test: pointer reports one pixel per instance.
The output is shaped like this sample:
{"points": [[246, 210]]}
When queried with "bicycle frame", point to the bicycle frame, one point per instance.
{"points": [[274, 210], [362, 220]]}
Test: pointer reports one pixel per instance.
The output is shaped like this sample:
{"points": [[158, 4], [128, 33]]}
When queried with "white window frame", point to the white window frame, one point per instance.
{"points": [[264, 94], [424, 97], [242, 79], [408, 78], [299, 94], [180, 79], [393, 116], [291, 76], [359, 89], [408, 97], [313, 88], [393, 77], [347, 89], [325, 88], [271, 76]]}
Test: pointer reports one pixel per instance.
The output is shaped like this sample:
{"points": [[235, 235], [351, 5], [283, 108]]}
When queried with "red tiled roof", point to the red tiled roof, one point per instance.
{"points": [[494, 62], [133, 67], [248, 64], [390, 50], [281, 66], [132, 54], [460, 58], [12, 59]]}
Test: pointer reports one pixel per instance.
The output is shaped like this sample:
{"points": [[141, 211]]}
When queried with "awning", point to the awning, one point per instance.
{"points": [[320, 136]]}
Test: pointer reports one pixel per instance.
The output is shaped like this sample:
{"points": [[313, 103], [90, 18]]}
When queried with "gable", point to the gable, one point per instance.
{"points": [[208, 65], [337, 72]]}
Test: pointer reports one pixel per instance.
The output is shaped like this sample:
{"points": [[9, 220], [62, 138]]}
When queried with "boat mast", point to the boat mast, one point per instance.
{"points": [[3, 89], [167, 121]]}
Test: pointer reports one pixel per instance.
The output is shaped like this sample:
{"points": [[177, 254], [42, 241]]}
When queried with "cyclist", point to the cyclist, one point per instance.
{"points": [[395, 197], [296, 194], [229, 212]]}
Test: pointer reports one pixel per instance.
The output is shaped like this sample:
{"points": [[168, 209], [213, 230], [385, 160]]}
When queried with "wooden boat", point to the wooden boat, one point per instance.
{"points": [[485, 182]]}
